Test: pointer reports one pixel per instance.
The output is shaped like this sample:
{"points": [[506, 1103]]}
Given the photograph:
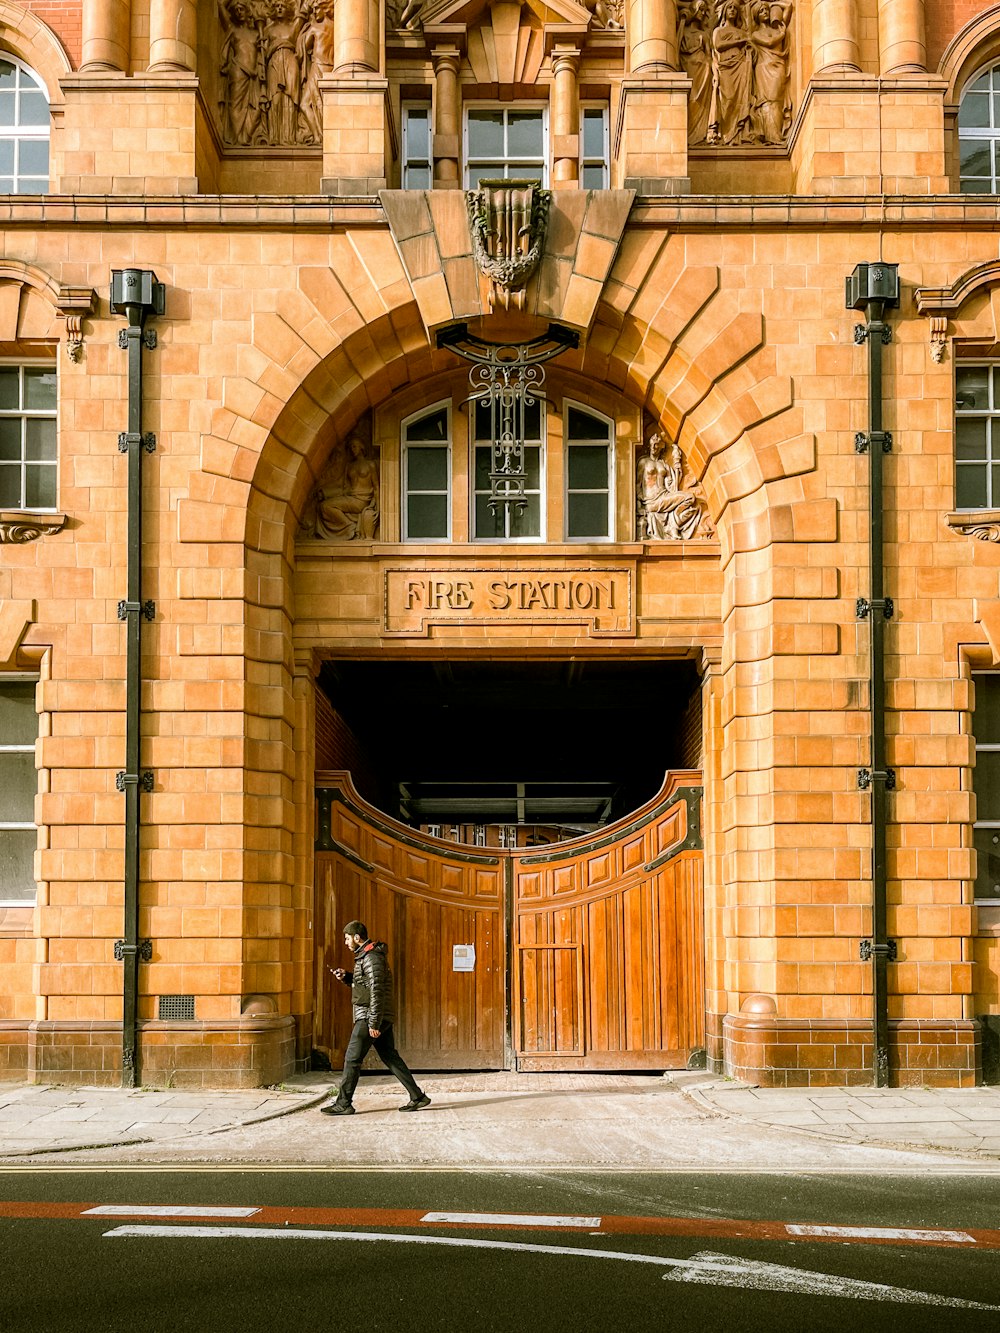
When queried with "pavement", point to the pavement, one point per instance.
{"points": [[510, 1121]]}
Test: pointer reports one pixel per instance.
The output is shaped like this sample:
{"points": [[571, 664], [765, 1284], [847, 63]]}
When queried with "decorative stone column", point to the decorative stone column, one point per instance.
{"points": [[902, 43], [356, 37], [652, 36], [173, 36], [447, 119], [835, 37], [565, 108], [106, 27]]}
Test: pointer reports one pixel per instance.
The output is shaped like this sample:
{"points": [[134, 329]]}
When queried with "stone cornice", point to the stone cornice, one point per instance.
{"points": [[958, 212]]}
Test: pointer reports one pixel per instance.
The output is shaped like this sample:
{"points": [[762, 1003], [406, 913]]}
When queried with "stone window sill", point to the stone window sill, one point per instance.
{"points": [[983, 524], [24, 525], [16, 921], [988, 919]]}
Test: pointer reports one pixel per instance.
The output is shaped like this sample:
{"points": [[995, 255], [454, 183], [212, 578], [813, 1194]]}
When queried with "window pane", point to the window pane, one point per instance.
{"points": [[986, 783], [33, 157], [40, 486], [974, 113], [10, 389], [593, 178], [417, 134], [10, 439], [524, 173], [487, 173], [487, 524], [970, 439], [427, 469], [8, 109], [418, 178], [18, 784], [527, 523], [427, 516], [972, 388], [981, 84], [434, 426], [970, 486], [987, 843], [483, 456], [32, 185], [39, 387], [588, 467], [588, 516], [524, 134], [593, 134], [486, 134], [17, 863], [533, 420], [482, 423], [532, 468], [6, 157], [975, 157], [34, 109], [40, 439], [18, 719], [10, 486], [976, 186], [584, 426], [987, 713], [8, 75]]}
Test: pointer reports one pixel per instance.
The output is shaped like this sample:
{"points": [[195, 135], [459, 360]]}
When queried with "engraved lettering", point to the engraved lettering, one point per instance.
{"points": [[499, 594], [414, 593]]}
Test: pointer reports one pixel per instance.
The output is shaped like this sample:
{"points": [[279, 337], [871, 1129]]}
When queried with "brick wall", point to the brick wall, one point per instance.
{"points": [[65, 18]]}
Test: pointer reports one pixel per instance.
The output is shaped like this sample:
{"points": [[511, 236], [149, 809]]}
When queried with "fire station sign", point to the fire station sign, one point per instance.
{"points": [[601, 599]]}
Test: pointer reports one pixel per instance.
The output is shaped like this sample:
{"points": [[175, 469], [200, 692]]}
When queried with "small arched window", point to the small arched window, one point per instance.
{"points": [[979, 134], [24, 130]]}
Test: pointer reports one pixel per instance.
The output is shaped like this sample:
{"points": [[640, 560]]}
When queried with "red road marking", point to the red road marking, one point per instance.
{"points": [[695, 1227]]}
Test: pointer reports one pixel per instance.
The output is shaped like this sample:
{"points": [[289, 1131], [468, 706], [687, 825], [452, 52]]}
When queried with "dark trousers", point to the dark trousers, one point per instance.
{"points": [[358, 1047]]}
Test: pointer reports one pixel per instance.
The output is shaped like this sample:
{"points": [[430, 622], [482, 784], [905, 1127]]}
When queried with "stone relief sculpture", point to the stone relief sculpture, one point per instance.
{"points": [[738, 58], [403, 13], [271, 57], [507, 223], [666, 510], [608, 13], [345, 504]]}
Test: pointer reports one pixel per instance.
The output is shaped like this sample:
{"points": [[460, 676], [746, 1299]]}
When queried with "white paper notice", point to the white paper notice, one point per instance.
{"points": [[463, 958]]}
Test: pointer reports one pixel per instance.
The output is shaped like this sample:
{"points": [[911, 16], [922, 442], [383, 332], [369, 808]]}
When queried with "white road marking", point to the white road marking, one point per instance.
{"points": [[513, 1219], [724, 1270], [719, 1270], [880, 1233], [165, 1210]]}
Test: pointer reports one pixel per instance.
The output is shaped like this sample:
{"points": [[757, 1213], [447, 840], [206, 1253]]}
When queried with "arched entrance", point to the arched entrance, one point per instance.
{"points": [[587, 954]]}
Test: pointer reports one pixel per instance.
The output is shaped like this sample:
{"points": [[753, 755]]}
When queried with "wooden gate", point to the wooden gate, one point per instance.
{"points": [[588, 954]]}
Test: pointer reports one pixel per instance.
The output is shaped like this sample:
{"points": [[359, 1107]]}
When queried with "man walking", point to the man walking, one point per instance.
{"points": [[374, 1014]]}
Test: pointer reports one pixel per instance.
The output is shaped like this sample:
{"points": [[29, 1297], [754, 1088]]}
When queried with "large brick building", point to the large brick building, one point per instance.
{"points": [[463, 396]]}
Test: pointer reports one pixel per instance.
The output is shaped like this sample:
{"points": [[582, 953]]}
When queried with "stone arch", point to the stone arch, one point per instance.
{"points": [[976, 45], [26, 36]]}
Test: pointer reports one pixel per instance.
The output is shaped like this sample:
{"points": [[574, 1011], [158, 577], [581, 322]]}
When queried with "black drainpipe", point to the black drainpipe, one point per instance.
{"points": [[874, 288], [136, 294]]}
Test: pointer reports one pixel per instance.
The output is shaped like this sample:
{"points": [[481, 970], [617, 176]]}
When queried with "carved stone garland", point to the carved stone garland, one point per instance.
{"points": [[507, 222]]}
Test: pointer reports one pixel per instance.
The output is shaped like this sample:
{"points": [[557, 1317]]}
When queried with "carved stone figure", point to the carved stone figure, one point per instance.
{"points": [[403, 13], [732, 118], [281, 38], [771, 108], [608, 13], [665, 510], [345, 505], [243, 86], [694, 45], [315, 51]]}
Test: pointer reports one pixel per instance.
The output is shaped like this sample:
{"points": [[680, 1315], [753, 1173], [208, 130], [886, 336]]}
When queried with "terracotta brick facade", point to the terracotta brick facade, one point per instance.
{"points": [[305, 288]]}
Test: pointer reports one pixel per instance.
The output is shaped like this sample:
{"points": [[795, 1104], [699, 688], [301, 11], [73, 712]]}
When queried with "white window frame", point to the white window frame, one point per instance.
{"points": [[423, 108], [540, 445], [447, 449], [21, 678], [508, 169], [22, 414], [605, 161], [989, 412], [569, 444], [19, 133], [992, 748]]}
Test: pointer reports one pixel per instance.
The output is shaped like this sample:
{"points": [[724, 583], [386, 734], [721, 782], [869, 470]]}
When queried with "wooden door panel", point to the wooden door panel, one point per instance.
{"points": [[422, 897], [631, 908]]}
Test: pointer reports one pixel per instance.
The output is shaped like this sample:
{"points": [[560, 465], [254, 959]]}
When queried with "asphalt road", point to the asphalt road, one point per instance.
{"points": [[288, 1250]]}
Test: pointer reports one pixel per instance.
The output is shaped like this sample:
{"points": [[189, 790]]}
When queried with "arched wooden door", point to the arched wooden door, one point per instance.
{"points": [[585, 955]]}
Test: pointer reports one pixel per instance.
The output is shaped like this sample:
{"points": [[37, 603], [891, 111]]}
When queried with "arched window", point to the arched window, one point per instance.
{"points": [[24, 130], [979, 134]]}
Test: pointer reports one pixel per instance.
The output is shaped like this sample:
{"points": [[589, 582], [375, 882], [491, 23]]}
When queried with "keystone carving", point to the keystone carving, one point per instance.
{"points": [[508, 221], [737, 56], [667, 509]]}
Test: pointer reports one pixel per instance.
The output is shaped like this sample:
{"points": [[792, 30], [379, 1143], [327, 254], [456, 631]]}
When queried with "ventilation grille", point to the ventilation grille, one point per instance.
{"points": [[176, 1007]]}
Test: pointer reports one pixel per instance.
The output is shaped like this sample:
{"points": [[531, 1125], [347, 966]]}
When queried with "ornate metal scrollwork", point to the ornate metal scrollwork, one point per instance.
{"points": [[507, 378], [508, 221]]}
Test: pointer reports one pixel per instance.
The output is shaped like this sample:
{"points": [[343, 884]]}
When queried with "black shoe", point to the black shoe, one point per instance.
{"points": [[335, 1108], [418, 1104]]}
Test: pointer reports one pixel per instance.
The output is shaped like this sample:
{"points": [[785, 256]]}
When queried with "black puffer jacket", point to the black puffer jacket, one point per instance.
{"points": [[371, 985]]}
